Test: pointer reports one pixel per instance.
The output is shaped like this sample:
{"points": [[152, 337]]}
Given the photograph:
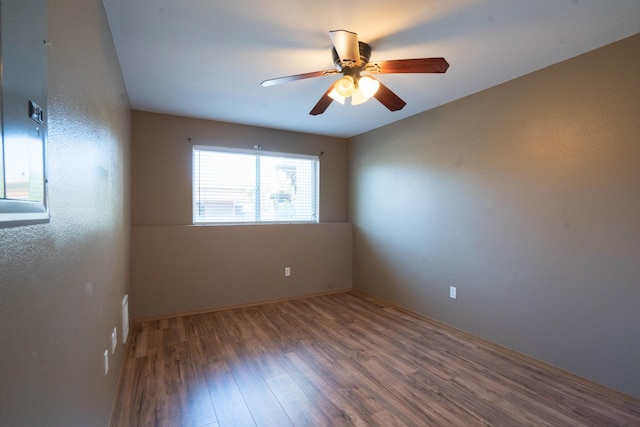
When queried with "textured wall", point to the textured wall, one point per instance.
{"points": [[161, 163], [525, 197], [178, 268], [61, 283]]}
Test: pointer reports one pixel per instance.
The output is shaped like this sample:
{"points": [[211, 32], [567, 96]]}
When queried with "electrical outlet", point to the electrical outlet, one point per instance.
{"points": [[106, 362], [114, 340], [287, 271], [452, 292]]}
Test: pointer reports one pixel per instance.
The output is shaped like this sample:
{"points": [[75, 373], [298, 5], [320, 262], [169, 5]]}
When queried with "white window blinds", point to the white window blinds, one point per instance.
{"points": [[241, 186]]}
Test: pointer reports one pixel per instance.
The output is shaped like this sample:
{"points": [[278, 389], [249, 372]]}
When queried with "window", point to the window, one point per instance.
{"points": [[22, 182], [233, 186]]}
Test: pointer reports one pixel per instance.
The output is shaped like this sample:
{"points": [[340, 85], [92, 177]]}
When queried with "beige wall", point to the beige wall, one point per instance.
{"points": [[161, 157], [61, 283], [178, 268], [526, 197]]}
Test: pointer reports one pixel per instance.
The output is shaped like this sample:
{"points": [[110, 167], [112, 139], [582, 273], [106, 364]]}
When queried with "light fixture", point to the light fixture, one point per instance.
{"points": [[360, 89], [345, 86], [336, 96], [368, 85], [358, 97]]}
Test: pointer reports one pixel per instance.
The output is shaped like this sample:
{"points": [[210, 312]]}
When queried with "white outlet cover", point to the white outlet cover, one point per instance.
{"points": [[114, 340], [287, 271], [452, 292], [125, 318]]}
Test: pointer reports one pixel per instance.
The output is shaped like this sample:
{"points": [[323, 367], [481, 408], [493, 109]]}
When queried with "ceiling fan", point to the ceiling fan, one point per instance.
{"points": [[351, 57]]}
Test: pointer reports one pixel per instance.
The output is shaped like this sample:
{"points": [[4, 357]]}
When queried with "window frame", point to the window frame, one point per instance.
{"points": [[257, 153]]}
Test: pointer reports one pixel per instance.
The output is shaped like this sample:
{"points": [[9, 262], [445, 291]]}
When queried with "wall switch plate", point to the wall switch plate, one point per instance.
{"points": [[114, 340], [452, 292], [106, 362], [125, 318], [287, 271]]}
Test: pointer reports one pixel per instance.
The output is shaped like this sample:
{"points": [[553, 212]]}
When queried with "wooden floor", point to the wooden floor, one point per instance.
{"points": [[340, 360]]}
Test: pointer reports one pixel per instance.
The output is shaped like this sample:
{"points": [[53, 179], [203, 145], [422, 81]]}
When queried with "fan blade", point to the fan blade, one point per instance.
{"points": [[346, 44], [323, 103], [389, 99], [295, 77], [421, 65]]}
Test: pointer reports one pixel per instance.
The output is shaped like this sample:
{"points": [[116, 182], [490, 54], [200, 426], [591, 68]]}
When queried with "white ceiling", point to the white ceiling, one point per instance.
{"points": [[206, 58]]}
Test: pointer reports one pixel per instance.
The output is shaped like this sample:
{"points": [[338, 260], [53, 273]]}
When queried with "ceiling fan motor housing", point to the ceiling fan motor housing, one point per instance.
{"points": [[349, 67]]}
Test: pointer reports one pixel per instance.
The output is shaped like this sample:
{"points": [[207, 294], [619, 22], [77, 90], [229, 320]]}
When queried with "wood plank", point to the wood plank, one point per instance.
{"points": [[196, 406], [264, 406], [301, 410], [343, 359], [324, 391], [231, 409]]}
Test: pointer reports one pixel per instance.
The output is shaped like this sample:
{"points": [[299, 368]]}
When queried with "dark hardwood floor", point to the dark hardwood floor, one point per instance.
{"points": [[340, 360]]}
